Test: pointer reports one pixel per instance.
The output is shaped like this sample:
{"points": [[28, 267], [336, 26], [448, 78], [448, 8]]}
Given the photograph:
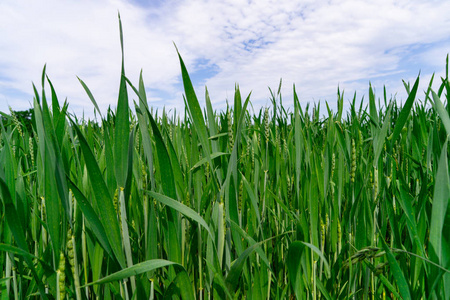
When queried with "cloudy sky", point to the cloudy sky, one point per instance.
{"points": [[316, 45]]}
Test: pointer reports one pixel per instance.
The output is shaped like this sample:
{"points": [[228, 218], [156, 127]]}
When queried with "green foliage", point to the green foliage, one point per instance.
{"points": [[278, 204]]}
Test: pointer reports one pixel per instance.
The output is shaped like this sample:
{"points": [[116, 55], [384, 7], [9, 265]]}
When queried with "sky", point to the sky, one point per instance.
{"points": [[317, 46]]}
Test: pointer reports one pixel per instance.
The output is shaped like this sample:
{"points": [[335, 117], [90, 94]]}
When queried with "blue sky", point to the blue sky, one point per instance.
{"points": [[316, 45]]}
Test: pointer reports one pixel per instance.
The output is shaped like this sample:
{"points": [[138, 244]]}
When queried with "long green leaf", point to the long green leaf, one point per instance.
{"points": [[137, 269], [204, 160], [52, 202], [439, 211], [183, 209], [293, 262], [405, 201], [168, 185], [92, 219], [91, 97], [322, 257], [122, 126], [397, 273], [195, 111], [443, 114], [404, 114], [380, 137], [107, 213]]}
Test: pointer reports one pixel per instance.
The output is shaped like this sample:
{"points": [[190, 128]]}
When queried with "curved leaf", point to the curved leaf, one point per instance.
{"points": [[183, 209]]}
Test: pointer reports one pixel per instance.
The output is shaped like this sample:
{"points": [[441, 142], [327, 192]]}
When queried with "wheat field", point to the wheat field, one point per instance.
{"points": [[284, 203]]}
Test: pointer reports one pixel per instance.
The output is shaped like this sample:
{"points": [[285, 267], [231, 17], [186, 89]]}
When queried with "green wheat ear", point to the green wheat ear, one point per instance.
{"points": [[61, 275], [353, 167], [266, 124]]}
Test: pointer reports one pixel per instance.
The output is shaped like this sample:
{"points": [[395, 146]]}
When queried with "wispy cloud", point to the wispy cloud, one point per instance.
{"points": [[315, 45]]}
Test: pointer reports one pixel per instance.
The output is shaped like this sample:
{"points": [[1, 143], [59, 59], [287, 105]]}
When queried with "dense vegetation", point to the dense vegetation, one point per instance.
{"points": [[273, 205]]}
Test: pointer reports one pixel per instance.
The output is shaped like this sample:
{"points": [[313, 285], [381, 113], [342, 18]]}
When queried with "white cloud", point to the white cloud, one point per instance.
{"points": [[314, 44]]}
